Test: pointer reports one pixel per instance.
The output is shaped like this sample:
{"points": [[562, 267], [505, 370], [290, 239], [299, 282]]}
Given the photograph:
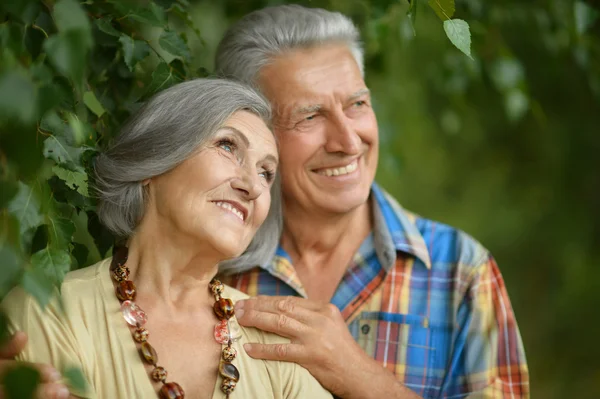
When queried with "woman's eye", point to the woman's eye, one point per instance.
{"points": [[267, 175], [227, 145]]}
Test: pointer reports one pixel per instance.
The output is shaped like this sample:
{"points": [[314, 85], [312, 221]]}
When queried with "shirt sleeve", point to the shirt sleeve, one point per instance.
{"points": [[488, 359], [50, 340]]}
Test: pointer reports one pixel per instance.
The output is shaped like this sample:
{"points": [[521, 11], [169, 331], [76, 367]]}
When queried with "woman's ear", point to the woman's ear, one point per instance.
{"points": [[146, 182]]}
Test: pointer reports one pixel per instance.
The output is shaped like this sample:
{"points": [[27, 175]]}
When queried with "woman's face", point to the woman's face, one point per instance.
{"points": [[220, 196]]}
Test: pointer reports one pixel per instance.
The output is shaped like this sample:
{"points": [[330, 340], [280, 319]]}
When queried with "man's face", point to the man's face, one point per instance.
{"points": [[326, 128]]}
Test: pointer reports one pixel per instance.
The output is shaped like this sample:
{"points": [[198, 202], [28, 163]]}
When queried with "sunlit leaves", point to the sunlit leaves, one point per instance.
{"points": [[162, 77], [76, 180], [37, 284], [90, 100], [53, 263], [459, 34], [17, 97], [25, 208]]}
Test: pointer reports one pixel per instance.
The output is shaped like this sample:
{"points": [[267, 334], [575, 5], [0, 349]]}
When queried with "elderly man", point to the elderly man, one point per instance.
{"points": [[378, 302], [375, 299]]}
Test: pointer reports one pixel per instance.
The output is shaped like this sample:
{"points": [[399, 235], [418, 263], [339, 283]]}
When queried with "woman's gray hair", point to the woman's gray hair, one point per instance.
{"points": [[162, 134], [250, 43]]}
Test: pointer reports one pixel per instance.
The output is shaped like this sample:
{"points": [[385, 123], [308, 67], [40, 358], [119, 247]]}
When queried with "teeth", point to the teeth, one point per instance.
{"points": [[230, 208], [344, 170]]}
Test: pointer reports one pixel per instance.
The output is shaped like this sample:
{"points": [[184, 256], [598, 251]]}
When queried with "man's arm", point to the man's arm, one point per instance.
{"points": [[49, 388], [321, 343], [488, 360]]}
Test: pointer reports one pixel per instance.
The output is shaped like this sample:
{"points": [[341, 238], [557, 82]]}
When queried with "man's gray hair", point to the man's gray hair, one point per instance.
{"points": [[250, 43], [162, 134]]}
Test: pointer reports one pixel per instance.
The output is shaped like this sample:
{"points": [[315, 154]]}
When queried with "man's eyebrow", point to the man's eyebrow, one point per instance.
{"points": [[308, 109], [358, 94]]}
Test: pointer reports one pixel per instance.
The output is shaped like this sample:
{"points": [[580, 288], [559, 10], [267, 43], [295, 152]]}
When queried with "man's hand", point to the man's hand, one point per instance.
{"points": [[49, 388], [321, 343]]}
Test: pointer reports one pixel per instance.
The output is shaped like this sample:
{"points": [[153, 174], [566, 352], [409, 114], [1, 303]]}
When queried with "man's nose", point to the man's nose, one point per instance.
{"points": [[342, 137]]}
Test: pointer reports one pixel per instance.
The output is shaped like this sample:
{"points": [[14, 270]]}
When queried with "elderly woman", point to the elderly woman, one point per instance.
{"points": [[188, 184]]}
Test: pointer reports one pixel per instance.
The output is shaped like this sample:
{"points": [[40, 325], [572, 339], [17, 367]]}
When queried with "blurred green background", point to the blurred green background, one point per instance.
{"points": [[505, 146]]}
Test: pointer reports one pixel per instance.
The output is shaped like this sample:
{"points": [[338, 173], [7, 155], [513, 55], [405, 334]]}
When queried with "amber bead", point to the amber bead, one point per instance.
{"points": [[120, 255], [121, 273], [141, 335], [216, 287], [223, 308], [159, 374], [126, 290], [227, 386], [229, 371], [149, 353], [228, 353], [171, 390]]}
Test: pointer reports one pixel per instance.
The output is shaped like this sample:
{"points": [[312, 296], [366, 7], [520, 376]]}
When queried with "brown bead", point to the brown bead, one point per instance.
{"points": [[223, 308], [141, 335], [149, 353], [159, 374], [120, 273], [171, 390], [120, 255], [229, 371], [228, 353], [227, 386], [126, 290], [216, 287]]}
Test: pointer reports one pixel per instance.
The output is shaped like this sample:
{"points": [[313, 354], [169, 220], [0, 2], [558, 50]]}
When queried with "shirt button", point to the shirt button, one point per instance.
{"points": [[365, 329]]}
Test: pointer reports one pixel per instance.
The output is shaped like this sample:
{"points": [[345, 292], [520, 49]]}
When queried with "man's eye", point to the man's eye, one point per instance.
{"points": [[360, 103], [310, 117]]}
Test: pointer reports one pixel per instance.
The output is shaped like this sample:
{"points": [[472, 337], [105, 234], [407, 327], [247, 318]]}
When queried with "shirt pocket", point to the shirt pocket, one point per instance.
{"points": [[405, 344]]}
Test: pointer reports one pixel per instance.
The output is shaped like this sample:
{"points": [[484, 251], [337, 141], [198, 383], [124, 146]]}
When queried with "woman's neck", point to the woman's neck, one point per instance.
{"points": [[170, 270]]}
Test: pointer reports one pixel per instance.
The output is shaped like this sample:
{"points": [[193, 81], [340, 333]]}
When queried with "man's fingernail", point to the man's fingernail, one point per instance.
{"points": [[239, 313], [239, 305], [63, 393], [54, 375]]}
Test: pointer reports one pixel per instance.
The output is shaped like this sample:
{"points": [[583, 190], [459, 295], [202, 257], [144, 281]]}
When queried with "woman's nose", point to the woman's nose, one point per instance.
{"points": [[248, 183]]}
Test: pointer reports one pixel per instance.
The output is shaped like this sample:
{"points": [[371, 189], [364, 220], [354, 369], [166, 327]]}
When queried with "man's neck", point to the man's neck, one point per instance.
{"points": [[321, 246]]}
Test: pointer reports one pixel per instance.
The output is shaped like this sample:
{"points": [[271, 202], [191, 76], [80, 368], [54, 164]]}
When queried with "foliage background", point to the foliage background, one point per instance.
{"points": [[504, 145]]}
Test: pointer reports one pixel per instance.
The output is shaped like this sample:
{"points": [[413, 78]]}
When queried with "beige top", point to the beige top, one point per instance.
{"points": [[93, 336]]}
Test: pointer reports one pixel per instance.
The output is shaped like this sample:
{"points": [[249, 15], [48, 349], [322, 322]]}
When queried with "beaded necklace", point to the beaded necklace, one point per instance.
{"points": [[226, 331]]}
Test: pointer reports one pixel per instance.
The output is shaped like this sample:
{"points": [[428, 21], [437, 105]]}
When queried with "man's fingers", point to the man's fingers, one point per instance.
{"points": [[13, 347], [52, 391], [303, 310], [281, 352], [280, 324]]}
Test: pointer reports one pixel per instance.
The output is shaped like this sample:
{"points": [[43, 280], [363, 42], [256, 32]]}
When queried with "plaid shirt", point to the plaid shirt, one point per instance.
{"points": [[425, 300]]}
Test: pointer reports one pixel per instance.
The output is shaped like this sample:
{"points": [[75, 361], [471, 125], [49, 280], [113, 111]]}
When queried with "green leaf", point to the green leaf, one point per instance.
{"points": [[174, 44], [585, 16], [37, 284], [105, 25], [57, 149], [25, 207], [53, 263], [412, 14], [4, 332], [459, 34], [21, 382], [80, 252], [8, 190], [60, 230], [18, 97], [153, 14], [133, 50], [68, 53], [75, 379], [76, 180], [11, 267], [69, 15], [162, 78], [90, 100], [184, 14], [443, 8]]}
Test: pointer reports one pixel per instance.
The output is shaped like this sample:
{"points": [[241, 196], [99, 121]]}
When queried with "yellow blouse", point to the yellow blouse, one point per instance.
{"points": [[93, 336]]}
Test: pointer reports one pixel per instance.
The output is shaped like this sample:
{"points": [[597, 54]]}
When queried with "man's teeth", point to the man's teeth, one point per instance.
{"points": [[230, 208], [344, 170]]}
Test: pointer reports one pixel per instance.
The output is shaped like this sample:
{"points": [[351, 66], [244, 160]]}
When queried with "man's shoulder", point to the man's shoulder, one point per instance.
{"points": [[445, 244]]}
